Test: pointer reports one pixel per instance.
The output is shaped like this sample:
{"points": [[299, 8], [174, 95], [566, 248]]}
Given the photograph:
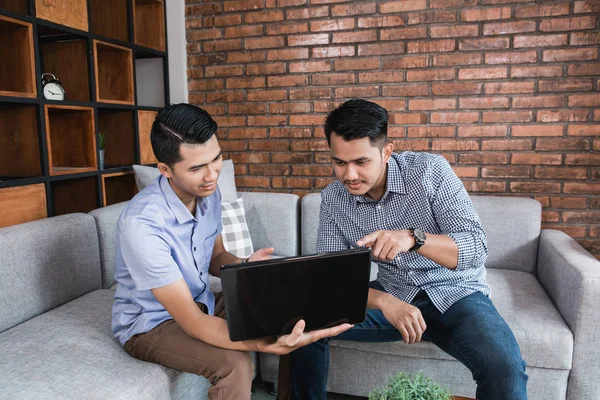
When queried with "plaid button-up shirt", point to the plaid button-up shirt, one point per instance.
{"points": [[422, 192]]}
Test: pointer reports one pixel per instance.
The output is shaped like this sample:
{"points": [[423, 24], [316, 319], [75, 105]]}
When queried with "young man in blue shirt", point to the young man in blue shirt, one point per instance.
{"points": [[416, 216], [168, 241]]}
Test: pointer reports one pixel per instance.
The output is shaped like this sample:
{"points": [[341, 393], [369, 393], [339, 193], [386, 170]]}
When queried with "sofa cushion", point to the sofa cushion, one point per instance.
{"points": [[46, 263], [236, 236], [69, 353], [543, 336]]}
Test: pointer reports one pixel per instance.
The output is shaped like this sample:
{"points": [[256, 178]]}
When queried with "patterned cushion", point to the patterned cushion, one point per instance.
{"points": [[236, 236]]}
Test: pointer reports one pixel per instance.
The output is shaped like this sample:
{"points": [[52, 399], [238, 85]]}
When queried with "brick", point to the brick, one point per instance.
{"points": [[573, 231], [310, 145], [584, 130], [483, 73], [431, 131], [222, 45], [289, 108], [332, 52], [567, 24], [379, 77], [312, 170], [567, 202], [380, 22], [224, 97], [406, 62], [595, 203], [197, 98], [432, 46], [449, 89], [507, 116], [354, 92], [403, 33], [483, 44], [430, 75], [485, 14], [214, 109], [535, 187], [454, 31], [507, 145], [408, 118], [391, 105], [584, 100], [244, 109], [301, 183], [287, 81], [230, 121], [451, 3], [505, 172], [550, 216], [206, 84], [304, 120], [570, 54], [537, 41], [536, 72], [536, 159], [556, 173], [538, 101], [356, 64], [333, 79], [266, 95], [361, 8], [503, 28], [483, 131], [354, 37], [246, 56], [290, 3], [339, 24], [412, 144], [287, 54], [516, 57], [203, 34], [454, 118], [584, 69], [596, 115], [583, 217], [308, 40], [202, 9], [431, 104], [224, 70], [269, 145], [264, 42], [195, 73], [508, 87], [585, 38], [483, 158], [233, 145], [533, 11], [307, 13], [262, 120], [586, 6], [566, 85], [265, 69], [432, 17], [244, 83], [562, 115], [454, 145], [402, 6], [485, 187], [466, 172], [291, 158], [244, 31], [396, 132], [246, 133], [537, 130], [405, 90], [310, 93], [290, 133], [287, 28], [310, 66], [582, 188], [242, 5], [251, 181], [263, 16]]}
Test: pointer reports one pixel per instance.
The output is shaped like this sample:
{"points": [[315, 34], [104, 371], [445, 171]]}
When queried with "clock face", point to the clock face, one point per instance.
{"points": [[53, 91]]}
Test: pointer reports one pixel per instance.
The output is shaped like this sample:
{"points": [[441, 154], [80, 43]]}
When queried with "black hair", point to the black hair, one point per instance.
{"points": [[176, 124], [356, 119]]}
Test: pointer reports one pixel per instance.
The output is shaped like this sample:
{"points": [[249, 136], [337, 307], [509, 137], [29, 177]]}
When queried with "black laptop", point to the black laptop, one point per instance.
{"points": [[267, 298]]}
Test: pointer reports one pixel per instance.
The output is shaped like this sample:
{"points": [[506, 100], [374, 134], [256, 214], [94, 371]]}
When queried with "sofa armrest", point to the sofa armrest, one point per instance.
{"points": [[571, 277], [274, 221]]}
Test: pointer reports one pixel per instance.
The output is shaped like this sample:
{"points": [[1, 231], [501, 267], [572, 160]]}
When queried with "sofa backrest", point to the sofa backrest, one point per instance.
{"points": [[512, 225], [46, 263]]}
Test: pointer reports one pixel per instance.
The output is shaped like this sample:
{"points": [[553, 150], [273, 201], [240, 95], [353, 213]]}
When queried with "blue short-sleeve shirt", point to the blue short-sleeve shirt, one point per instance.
{"points": [[159, 242]]}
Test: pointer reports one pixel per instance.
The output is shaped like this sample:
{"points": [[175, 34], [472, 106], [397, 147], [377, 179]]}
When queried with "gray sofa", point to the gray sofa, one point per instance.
{"points": [[544, 284]]}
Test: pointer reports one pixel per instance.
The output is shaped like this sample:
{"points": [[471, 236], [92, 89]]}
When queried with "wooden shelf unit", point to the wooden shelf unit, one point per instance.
{"points": [[19, 141], [119, 137], [22, 204], [16, 6], [145, 120], [17, 68], [114, 73], [74, 195], [149, 20], [109, 19], [118, 187], [71, 13]]}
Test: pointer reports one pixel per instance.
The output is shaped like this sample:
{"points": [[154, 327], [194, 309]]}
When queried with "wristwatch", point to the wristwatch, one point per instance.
{"points": [[419, 236]]}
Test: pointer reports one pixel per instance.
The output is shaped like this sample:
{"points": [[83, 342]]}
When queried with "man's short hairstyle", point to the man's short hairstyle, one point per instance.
{"points": [[356, 119], [176, 124]]}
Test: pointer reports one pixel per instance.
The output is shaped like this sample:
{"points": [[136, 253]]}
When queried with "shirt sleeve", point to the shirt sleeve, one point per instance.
{"points": [[456, 216], [146, 253], [329, 235]]}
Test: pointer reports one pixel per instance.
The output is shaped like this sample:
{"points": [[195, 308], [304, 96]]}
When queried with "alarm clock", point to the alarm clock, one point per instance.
{"points": [[52, 89]]}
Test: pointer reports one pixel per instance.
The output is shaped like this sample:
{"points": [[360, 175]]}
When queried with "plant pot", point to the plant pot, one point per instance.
{"points": [[101, 160]]}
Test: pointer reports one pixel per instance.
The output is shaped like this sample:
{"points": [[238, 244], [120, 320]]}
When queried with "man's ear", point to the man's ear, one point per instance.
{"points": [[388, 149], [164, 169]]}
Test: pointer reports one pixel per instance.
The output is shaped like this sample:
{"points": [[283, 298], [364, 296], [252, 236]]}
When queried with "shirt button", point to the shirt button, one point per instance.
{"points": [[194, 249], [200, 273]]}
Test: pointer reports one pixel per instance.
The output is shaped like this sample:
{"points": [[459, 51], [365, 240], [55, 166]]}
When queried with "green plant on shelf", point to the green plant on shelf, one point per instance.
{"points": [[101, 140], [403, 386]]}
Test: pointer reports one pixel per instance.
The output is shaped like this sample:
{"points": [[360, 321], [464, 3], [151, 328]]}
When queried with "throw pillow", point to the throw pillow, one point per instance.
{"points": [[236, 236]]}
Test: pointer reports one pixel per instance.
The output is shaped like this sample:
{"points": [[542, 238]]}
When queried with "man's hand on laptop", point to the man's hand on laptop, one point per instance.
{"points": [[287, 343], [262, 254]]}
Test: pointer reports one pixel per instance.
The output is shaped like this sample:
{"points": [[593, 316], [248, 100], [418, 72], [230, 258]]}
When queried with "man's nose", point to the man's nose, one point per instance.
{"points": [[351, 173]]}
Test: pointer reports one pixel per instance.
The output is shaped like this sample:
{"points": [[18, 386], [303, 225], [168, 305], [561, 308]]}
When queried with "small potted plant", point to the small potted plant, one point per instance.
{"points": [[101, 143], [410, 387]]}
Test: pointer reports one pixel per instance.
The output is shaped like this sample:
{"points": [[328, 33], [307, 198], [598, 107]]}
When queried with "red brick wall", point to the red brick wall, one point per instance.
{"points": [[507, 91]]}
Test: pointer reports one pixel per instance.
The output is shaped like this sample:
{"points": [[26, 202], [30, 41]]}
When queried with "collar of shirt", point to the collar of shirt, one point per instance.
{"points": [[394, 183], [180, 211]]}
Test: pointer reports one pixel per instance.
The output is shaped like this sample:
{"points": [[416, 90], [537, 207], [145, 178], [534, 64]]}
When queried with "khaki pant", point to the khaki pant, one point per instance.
{"points": [[230, 372]]}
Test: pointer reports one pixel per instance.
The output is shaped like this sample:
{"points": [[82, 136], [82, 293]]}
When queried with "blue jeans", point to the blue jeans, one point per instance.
{"points": [[471, 331]]}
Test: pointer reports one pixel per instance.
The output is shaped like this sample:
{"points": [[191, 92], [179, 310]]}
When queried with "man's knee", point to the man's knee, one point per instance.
{"points": [[237, 363]]}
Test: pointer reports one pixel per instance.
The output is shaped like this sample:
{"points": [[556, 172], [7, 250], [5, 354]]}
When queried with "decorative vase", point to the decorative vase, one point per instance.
{"points": [[101, 160]]}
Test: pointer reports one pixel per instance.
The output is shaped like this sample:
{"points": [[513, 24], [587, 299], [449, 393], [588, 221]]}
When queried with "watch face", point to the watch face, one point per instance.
{"points": [[419, 234], [53, 91]]}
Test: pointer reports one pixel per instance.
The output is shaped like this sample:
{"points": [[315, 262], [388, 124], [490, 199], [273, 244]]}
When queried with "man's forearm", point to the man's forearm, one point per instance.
{"points": [[221, 259], [440, 249]]}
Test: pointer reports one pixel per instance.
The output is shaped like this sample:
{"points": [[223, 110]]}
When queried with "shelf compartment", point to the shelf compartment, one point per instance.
{"points": [[72, 13], [22, 204], [16, 6], [145, 121], [19, 141], [70, 138], [150, 82], [17, 69], [118, 187], [120, 137], [114, 73], [68, 61], [74, 195], [149, 23], [109, 19]]}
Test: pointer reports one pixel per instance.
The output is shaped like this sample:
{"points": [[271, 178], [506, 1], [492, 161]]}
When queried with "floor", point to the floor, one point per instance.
{"points": [[262, 392]]}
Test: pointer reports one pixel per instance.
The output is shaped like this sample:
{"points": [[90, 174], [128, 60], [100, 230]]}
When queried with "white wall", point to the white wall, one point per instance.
{"points": [[177, 51]]}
